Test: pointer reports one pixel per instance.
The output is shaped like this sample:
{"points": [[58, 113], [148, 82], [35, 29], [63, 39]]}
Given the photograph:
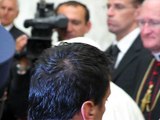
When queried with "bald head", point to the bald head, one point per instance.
{"points": [[16, 2], [151, 4], [9, 10], [151, 1]]}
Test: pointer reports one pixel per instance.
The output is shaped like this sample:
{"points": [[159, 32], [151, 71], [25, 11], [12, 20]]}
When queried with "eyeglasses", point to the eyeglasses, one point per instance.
{"points": [[151, 23]]}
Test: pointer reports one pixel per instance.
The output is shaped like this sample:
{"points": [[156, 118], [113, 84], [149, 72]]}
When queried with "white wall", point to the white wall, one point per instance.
{"points": [[97, 8]]}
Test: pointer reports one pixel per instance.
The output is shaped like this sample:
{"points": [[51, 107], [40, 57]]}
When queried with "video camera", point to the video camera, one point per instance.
{"points": [[42, 26]]}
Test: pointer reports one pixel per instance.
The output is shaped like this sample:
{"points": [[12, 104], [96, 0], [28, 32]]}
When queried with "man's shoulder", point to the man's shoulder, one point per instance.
{"points": [[16, 32], [16, 29], [122, 107], [137, 43]]}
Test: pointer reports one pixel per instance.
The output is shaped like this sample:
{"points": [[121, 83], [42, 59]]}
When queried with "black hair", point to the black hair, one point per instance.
{"points": [[75, 4], [66, 76]]}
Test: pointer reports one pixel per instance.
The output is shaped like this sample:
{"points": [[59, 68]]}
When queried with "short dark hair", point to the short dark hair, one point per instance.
{"points": [[66, 76], [75, 4], [137, 2]]}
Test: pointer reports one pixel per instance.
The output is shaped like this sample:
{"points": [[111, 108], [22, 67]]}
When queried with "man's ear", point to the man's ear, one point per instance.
{"points": [[137, 11], [88, 26], [17, 13], [88, 110]]}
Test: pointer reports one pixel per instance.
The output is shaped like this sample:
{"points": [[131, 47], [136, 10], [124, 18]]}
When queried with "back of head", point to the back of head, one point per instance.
{"points": [[66, 76]]}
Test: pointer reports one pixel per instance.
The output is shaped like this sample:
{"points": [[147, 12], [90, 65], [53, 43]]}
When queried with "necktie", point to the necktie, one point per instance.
{"points": [[114, 52]]}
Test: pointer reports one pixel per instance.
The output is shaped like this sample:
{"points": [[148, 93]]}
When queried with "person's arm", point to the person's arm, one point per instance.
{"points": [[21, 43]]}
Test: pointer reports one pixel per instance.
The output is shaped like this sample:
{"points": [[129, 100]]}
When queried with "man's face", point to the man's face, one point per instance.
{"points": [[120, 16], [77, 25], [8, 11], [149, 21]]}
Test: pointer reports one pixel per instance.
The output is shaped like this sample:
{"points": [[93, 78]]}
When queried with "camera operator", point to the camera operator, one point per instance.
{"points": [[42, 28], [78, 19], [17, 91]]}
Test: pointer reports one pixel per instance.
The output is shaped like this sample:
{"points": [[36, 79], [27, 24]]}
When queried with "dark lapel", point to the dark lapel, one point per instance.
{"points": [[16, 32], [108, 51], [131, 55]]}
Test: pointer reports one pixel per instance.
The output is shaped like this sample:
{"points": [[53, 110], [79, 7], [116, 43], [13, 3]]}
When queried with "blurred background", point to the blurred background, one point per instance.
{"points": [[97, 8]]}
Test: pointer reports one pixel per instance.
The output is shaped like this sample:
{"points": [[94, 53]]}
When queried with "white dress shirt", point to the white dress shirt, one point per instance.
{"points": [[124, 44], [9, 27]]}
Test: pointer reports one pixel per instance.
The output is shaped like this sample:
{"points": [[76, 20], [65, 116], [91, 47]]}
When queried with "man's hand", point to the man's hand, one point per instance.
{"points": [[21, 42]]}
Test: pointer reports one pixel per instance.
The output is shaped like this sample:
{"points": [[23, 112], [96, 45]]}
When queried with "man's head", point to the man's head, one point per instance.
{"points": [[68, 83], [9, 10], [149, 22], [78, 16], [121, 16]]}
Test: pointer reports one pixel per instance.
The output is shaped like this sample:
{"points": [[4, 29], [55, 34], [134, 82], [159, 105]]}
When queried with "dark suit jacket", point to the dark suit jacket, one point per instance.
{"points": [[18, 87], [7, 50], [155, 113], [125, 74], [15, 32]]}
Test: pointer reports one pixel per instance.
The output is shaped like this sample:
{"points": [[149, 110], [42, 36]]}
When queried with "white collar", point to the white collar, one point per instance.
{"points": [[157, 56], [8, 27], [125, 43]]}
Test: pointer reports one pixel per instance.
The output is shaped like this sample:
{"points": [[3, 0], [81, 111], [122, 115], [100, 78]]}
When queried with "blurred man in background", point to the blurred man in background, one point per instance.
{"points": [[16, 105], [148, 91], [79, 19], [127, 50]]}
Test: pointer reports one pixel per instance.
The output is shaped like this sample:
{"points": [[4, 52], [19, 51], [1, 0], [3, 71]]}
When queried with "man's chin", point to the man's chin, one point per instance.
{"points": [[4, 24], [65, 38], [69, 37]]}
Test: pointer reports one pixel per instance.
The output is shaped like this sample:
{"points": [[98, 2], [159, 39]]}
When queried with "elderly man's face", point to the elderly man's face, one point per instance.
{"points": [[8, 11], [149, 22]]}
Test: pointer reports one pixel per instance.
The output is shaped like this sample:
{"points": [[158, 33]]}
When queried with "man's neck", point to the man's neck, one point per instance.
{"points": [[122, 34], [8, 27]]}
